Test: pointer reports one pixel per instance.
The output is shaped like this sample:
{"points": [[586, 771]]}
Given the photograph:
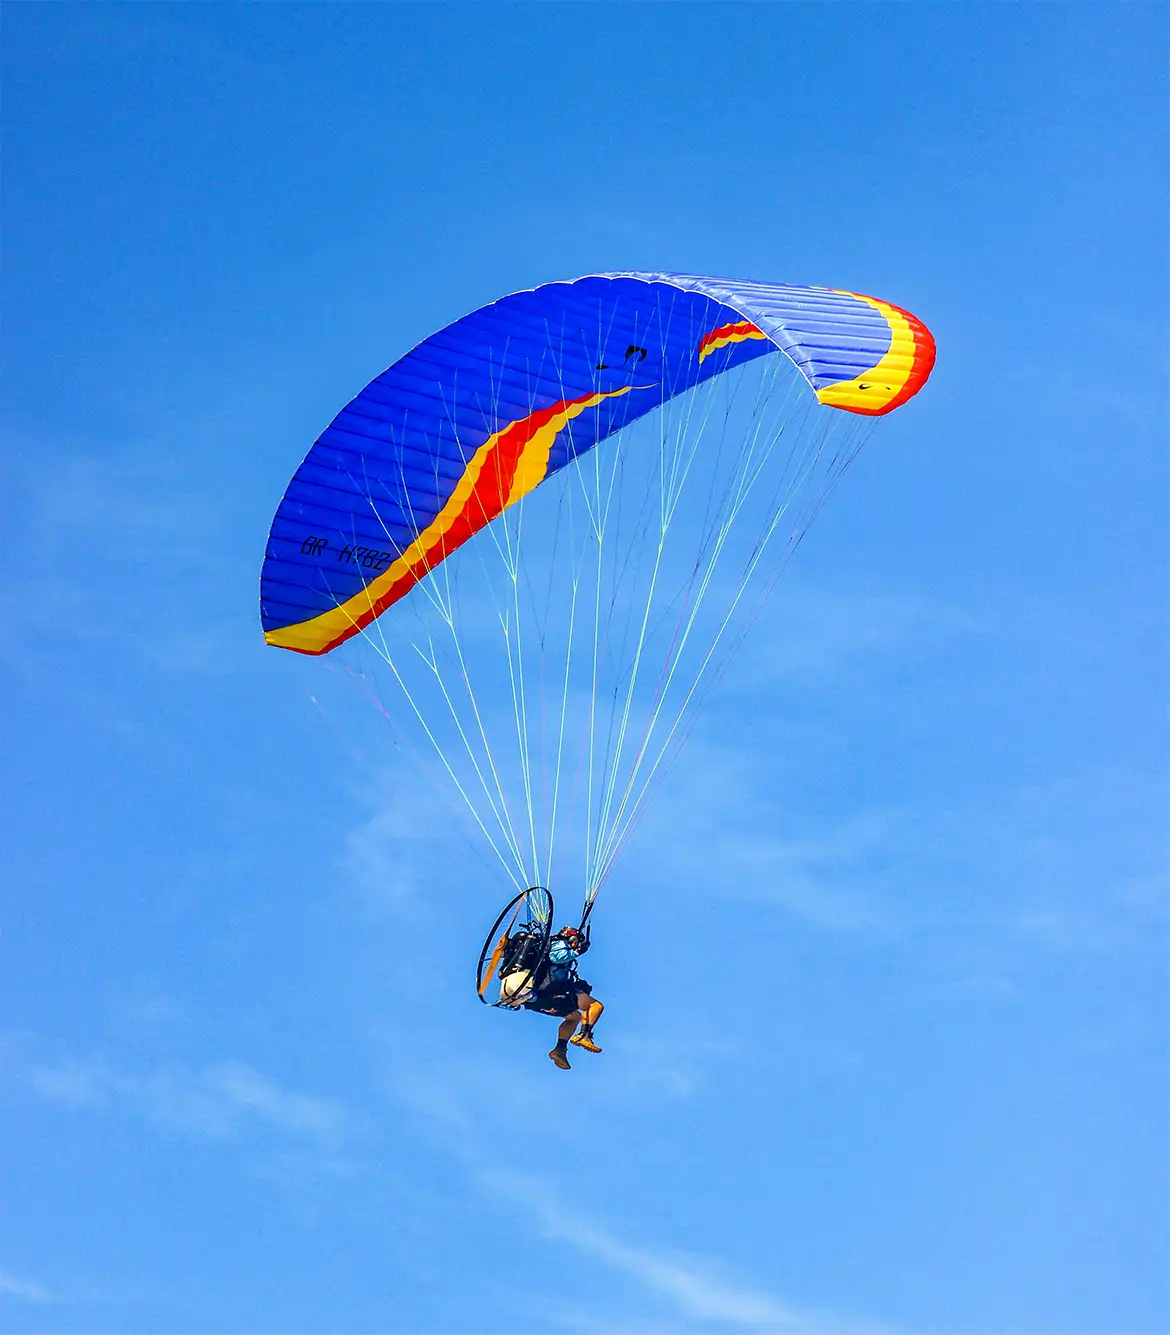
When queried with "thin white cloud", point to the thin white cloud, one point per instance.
{"points": [[716, 827], [95, 529], [386, 856], [1077, 863], [816, 633], [694, 1287], [223, 1102], [27, 1290], [691, 1287], [220, 1102]]}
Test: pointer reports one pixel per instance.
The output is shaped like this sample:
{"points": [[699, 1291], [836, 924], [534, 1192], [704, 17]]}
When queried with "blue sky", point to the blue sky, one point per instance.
{"points": [[886, 968]]}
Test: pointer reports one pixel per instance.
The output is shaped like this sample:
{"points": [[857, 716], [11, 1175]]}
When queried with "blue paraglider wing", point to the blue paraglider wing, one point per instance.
{"points": [[480, 413]]}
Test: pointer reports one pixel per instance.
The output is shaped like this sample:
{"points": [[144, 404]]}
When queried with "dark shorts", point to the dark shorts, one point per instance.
{"points": [[559, 999]]}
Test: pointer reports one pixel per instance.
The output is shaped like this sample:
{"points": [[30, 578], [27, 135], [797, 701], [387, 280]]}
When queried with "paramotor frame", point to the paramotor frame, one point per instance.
{"points": [[516, 948]]}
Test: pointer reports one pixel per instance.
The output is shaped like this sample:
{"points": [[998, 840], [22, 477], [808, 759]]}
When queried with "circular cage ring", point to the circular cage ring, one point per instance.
{"points": [[515, 949]]}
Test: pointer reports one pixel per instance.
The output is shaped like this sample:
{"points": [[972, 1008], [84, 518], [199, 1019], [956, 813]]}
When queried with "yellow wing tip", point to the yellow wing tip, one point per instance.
{"points": [[299, 638], [866, 398]]}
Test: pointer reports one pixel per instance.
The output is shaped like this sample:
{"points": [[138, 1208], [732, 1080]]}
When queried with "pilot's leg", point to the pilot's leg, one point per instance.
{"points": [[590, 1013], [568, 1026]]}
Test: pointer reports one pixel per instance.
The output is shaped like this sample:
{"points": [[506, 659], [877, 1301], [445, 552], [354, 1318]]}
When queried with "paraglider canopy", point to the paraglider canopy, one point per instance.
{"points": [[480, 413]]}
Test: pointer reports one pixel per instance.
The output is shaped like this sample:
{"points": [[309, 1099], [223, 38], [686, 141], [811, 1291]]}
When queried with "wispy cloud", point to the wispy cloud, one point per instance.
{"points": [[1076, 863], [695, 1287], [224, 1102], [389, 853], [219, 1102], [689, 1287], [814, 633], [26, 1290], [718, 827], [91, 534]]}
